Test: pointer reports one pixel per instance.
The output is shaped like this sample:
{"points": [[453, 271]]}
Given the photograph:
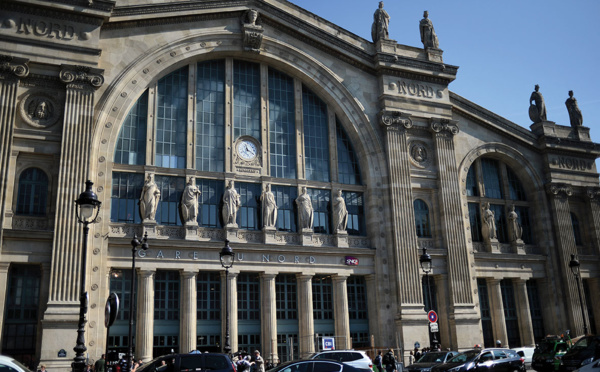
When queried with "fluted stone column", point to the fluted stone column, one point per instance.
{"points": [[559, 194], [594, 284], [441, 287], [340, 311], [593, 194], [3, 292], [268, 317], [306, 322], [233, 310], [497, 311], [187, 330], [525, 322], [144, 327]]}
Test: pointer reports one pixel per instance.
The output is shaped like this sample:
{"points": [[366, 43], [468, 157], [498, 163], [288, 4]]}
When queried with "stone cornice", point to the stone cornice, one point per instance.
{"points": [[55, 12], [14, 66], [395, 118], [80, 77], [559, 189], [444, 126]]}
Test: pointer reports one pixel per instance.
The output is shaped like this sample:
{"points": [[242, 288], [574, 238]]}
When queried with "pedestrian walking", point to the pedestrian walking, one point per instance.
{"points": [[100, 365], [378, 362], [390, 361]]}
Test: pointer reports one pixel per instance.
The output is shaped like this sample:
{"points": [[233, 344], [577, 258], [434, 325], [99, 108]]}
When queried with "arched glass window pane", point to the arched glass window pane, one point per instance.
{"points": [[320, 201], [248, 217], [523, 213], [515, 187], [126, 191], [282, 125], [348, 170], [33, 192], [316, 137], [475, 221], [212, 191], [171, 189], [491, 179], [576, 229], [171, 119], [422, 219], [131, 145], [286, 212], [210, 116], [500, 217], [472, 189], [246, 99], [356, 212]]}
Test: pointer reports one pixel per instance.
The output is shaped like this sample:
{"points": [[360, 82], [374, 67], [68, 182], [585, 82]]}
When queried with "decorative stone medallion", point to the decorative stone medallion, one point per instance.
{"points": [[40, 109], [420, 154]]}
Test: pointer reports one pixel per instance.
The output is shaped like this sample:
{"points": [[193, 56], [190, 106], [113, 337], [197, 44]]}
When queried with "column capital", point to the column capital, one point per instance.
{"points": [[81, 77], [144, 273], [559, 190], [593, 193], [444, 126], [304, 277], [340, 278], [268, 276], [186, 274], [395, 118], [14, 66]]}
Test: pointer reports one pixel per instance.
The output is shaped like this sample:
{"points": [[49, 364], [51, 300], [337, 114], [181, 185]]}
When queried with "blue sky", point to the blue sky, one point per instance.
{"points": [[502, 47]]}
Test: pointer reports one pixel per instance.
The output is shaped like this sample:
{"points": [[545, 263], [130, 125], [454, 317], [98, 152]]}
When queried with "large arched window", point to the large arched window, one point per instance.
{"points": [[33, 192], [264, 123], [492, 181]]}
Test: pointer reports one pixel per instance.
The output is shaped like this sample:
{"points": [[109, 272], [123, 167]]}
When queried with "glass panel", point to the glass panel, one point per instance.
{"points": [[171, 189], [246, 99], [320, 201], [515, 187], [285, 296], [286, 211], [171, 119], [210, 116], [33, 192], [510, 313], [576, 229], [491, 179], [248, 296], [120, 284], [126, 191], [501, 229], [357, 298], [356, 213], [475, 221], [322, 288], [131, 145], [166, 295], [524, 220], [422, 219], [287, 346], [348, 169], [472, 189], [316, 137], [212, 192], [486, 315], [535, 309], [208, 287], [282, 125], [248, 216]]}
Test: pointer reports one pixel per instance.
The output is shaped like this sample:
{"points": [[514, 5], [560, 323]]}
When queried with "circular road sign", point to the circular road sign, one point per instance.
{"points": [[432, 316]]}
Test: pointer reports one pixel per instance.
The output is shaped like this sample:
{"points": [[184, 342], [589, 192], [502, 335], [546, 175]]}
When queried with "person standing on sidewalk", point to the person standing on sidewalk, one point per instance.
{"points": [[378, 362]]}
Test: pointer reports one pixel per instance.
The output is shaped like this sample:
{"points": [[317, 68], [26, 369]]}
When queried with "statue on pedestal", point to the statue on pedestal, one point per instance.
{"points": [[537, 107], [149, 199], [231, 205], [340, 212], [269, 207], [381, 23], [574, 111], [428, 36], [189, 202], [305, 210]]}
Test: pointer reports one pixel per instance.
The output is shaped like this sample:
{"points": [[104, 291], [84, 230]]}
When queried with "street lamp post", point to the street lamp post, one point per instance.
{"points": [[88, 207], [426, 266], [226, 257], [574, 265], [135, 242]]}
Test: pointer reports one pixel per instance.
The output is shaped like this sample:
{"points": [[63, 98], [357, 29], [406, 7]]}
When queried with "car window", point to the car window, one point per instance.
{"points": [[499, 354], [353, 356], [323, 366], [334, 356], [298, 367], [487, 356], [190, 363], [561, 347], [5, 368]]}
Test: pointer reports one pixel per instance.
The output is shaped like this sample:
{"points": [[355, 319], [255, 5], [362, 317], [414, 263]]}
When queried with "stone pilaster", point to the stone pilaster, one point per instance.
{"points": [[497, 311], [525, 323], [594, 285], [11, 71], [445, 335], [373, 305], [464, 328], [593, 194], [3, 292], [268, 317], [340, 311], [306, 322], [144, 330], [559, 194], [231, 285], [187, 330]]}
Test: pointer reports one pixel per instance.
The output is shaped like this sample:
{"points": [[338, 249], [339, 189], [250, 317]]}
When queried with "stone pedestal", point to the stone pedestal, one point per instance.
{"points": [[434, 54], [231, 231], [307, 235], [150, 229], [341, 239], [492, 245], [583, 133], [518, 246], [191, 231], [269, 235]]}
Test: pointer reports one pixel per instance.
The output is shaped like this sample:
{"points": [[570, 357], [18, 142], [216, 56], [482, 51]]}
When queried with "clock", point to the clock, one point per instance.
{"points": [[247, 150]]}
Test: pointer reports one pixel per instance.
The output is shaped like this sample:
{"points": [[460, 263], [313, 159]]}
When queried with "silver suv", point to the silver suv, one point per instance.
{"points": [[355, 358]]}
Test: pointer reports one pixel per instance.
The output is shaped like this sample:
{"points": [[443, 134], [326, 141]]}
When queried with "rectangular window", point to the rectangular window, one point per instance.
{"points": [[246, 99], [249, 342], [316, 137], [120, 284], [248, 216], [535, 309], [171, 189], [212, 192], [166, 295], [286, 208], [475, 220], [164, 344], [357, 298], [486, 315], [524, 220], [131, 145], [356, 212], [248, 295], [514, 185], [285, 296], [322, 288], [282, 125], [126, 191], [321, 200], [287, 346], [171, 119], [208, 288], [210, 116], [510, 312], [491, 179]]}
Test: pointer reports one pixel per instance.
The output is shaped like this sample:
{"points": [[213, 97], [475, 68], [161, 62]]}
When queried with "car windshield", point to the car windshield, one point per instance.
{"points": [[467, 356], [432, 358], [545, 347], [583, 343]]}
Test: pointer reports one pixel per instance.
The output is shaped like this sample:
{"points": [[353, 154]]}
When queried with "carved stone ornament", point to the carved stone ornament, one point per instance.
{"points": [[444, 125], [14, 66], [593, 193], [252, 30], [83, 75], [420, 154], [389, 118], [559, 189], [40, 109]]}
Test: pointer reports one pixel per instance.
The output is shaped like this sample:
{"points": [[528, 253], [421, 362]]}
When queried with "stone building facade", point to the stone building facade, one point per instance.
{"points": [[262, 92]]}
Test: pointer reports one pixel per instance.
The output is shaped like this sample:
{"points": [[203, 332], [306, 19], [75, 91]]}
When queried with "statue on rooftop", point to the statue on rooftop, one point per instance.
{"points": [[574, 111], [428, 36], [381, 23], [537, 109]]}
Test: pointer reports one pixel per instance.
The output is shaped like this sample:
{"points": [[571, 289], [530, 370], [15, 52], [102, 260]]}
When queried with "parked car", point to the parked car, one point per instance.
{"points": [[355, 358], [9, 364], [526, 353], [590, 367], [581, 353], [312, 365], [547, 355], [480, 360], [214, 362], [430, 359]]}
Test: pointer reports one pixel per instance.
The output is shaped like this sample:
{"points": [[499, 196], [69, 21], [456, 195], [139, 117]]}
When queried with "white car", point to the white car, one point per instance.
{"points": [[10, 365], [355, 358], [526, 353]]}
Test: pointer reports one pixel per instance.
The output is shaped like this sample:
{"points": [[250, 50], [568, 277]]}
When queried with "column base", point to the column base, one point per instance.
{"points": [[59, 332], [465, 327]]}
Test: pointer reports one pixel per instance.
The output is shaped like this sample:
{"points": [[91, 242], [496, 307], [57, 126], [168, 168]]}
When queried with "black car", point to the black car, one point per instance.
{"points": [[581, 353], [214, 362], [430, 359], [312, 365], [483, 360]]}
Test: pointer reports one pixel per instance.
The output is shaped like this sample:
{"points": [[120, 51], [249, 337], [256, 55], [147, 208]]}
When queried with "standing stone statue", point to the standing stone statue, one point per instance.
{"points": [[381, 23], [189, 202], [537, 109], [340, 213], [305, 210], [149, 199], [269, 207], [574, 111], [231, 205], [489, 223], [428, 36], [516, 230]]}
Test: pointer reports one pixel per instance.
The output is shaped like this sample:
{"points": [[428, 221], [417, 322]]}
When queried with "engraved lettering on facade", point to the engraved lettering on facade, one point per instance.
{"points": [[47, 29], [417, 90], [266, 258], [572, 164]]}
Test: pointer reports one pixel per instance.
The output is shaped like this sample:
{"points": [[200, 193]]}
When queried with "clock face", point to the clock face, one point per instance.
{"points": [[247, 150]]}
